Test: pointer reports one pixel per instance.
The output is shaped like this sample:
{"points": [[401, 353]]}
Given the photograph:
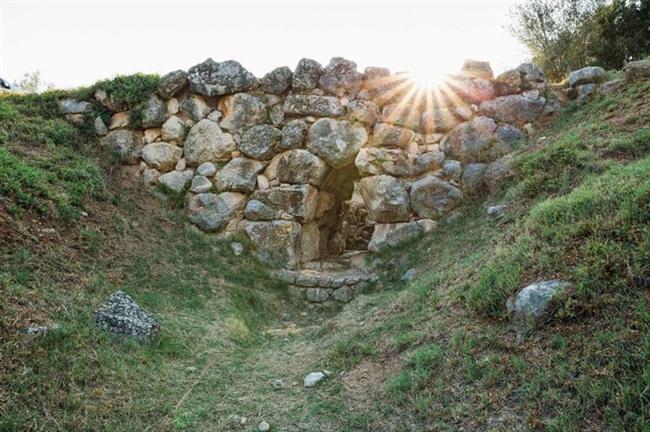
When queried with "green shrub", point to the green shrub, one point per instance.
{"points": [[129, 90]]}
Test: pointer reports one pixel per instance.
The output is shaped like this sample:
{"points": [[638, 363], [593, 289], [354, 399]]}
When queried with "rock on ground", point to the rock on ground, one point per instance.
{"points": [[591, 74], [533, 301], [121, 315], [313, 378]]}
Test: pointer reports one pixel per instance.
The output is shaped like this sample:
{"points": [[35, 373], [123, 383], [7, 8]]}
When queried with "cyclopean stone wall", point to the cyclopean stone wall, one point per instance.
{"points": [[313, 162]]}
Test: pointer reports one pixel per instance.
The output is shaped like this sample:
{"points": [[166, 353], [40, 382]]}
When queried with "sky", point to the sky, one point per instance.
{"points": [[78, 43]]}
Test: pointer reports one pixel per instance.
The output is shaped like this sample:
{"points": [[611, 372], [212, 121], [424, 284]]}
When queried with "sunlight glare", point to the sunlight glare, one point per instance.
{"points": [[427, 78]]}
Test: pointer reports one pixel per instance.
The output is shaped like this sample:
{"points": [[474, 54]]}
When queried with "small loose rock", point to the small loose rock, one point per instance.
{"points": [[313, 378]]}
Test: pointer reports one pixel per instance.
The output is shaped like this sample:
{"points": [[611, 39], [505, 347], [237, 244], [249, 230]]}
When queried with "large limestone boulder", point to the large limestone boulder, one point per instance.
{"points": [[340, 77], [309, 242], [432, 197], [195, 107], [477, 69], [100, 126], [385, 135], [306, 75], [401, 114], [176, 181], [200, 184], [472, 178], [336, 141], [74, 106], [508, 82], [587, 75], [242, 111], [121, 142], [637, 70], [429, 161], [211, 212], [239, 175], [259, 142], [161, 155], [120, 120], [509, 137], [277, 81], [174, 129], [472, 141], [277, 242], [257, 211], [517, 109], [313, 105], [301, 166], [299, 201], [388, 235], [363, 111], [172, 83], [532, 77], [377, 160], [293, 134], [386, 198], [498, 172], [438, 120], [153, 112], [582, 93], [212, 78], [206, 142], [473, 91]]}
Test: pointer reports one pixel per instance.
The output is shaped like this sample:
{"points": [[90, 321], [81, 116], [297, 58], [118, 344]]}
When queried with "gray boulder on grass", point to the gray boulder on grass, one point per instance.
{"points": [[534, 302], [121, 315]]}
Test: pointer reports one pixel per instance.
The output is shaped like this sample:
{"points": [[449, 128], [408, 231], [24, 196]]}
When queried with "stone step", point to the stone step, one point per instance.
{"points": [[345, 261], [323, 278], [323, 281]]}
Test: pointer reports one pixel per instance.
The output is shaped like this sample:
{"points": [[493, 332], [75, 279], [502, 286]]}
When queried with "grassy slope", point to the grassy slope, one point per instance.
{"points": [[57, 266], [580, 209], [434, 354]]}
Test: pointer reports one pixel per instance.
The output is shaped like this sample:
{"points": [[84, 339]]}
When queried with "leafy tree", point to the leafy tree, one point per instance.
{"points": [[553, 31], [564, 35], [32, 83], [622, 32]]}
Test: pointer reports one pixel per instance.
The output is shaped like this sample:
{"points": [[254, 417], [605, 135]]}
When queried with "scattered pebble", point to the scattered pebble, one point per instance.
{"points": [[277, 383], [409, 275], [190, 369], [263, 426], [237, 248], [313, 378], [84, 214], [497, 211]]}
